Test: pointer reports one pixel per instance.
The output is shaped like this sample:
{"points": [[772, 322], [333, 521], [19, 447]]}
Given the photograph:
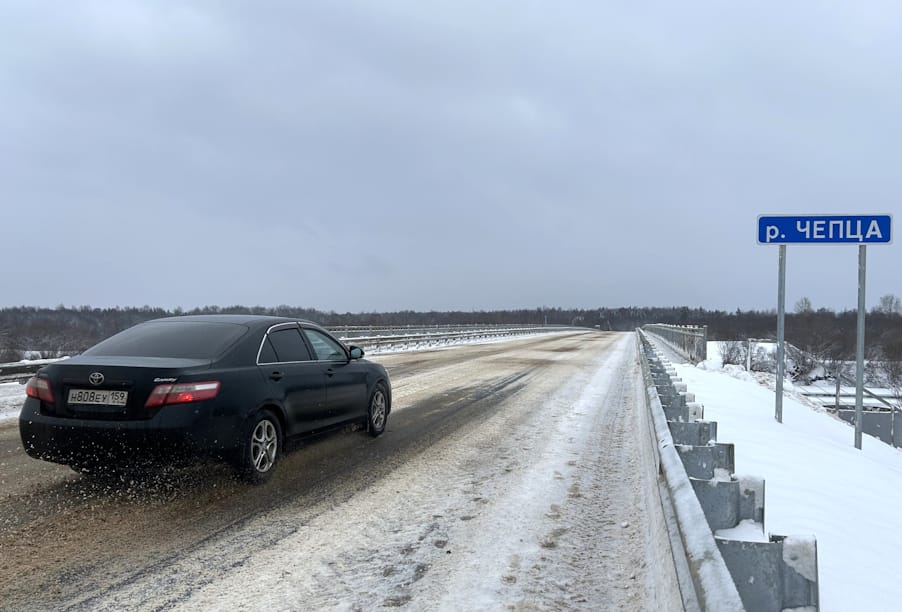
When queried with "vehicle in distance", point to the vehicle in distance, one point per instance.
{"points": [[229, 386]]}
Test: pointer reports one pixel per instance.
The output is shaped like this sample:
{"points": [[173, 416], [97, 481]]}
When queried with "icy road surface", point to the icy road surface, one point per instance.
{"points": [[509, 478]]}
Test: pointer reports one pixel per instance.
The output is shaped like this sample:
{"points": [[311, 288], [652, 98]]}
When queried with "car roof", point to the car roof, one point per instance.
{"points": [[235, 319]]}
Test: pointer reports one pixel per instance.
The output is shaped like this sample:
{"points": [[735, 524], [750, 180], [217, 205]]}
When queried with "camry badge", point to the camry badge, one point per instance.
{"points": [[96, 378]]}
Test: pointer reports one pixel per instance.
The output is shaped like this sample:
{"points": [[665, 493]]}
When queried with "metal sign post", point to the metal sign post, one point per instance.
{"points": [[781, 329], [859, 344], [824, 229]]}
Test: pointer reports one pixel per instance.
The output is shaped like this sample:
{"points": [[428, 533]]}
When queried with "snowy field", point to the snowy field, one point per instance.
{"points": [[817, 483]]}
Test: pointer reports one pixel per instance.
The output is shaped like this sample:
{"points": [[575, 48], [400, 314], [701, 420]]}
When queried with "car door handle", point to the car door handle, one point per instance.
{"points": [[330, 372], [276, 376]]}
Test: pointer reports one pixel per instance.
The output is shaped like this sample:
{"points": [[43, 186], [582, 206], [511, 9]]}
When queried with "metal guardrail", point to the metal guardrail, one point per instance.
{"points": [[21, 372], [878, 418], [388, 338], [690, 340], [872, 394], [705, 581], [879, 414], [706, 495], [372, 338], [826, 396], [353, 331]]}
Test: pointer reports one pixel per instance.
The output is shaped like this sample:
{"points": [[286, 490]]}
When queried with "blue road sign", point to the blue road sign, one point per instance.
{"points": [[825, 229]]}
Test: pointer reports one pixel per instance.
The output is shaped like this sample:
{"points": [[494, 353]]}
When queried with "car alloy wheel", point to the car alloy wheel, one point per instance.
{"points": [[264, 446], [378, 411], [258, 454]]}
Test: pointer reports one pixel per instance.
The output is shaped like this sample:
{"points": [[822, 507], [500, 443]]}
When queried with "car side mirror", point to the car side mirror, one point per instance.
{"points": [[356, 352]]}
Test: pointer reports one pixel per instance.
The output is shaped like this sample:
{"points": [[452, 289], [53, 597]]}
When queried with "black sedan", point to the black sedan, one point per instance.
{"points": [[228, 386]]}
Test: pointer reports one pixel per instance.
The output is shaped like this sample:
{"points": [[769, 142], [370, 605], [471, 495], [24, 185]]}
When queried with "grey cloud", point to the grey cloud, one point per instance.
{"points": [[364, 156]]}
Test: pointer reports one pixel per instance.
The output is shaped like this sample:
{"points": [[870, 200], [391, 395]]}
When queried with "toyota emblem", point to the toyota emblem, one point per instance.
{"points": [[96, 378]]}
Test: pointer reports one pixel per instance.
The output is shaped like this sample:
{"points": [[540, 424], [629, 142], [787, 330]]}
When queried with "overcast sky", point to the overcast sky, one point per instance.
{"points": [[370, 156]]}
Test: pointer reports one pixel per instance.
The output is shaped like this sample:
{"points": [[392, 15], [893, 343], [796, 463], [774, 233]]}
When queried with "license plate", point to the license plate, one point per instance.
{"points": [[98, 397]]}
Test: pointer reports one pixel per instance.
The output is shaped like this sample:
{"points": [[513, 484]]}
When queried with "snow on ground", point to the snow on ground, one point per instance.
{"points": [[817, 483], [534, 504], [11, 397]]}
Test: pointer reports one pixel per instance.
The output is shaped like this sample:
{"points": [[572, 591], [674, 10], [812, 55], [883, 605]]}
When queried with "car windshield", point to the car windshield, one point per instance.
{"points": [[176, 339]]}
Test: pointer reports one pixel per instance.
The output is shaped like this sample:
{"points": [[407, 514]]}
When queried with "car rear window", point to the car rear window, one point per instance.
{"points": [[176, 339]]}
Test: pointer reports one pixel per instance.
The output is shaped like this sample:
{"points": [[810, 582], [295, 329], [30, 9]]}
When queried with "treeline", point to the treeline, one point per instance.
{"points": [[69, 330]]}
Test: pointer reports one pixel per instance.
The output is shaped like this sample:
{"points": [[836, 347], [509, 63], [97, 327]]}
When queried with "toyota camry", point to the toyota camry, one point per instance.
{"points": [[229, 386]]}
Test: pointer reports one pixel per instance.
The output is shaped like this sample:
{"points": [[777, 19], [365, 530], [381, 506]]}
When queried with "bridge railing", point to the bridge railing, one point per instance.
{"points": [[689, 340], [370, 339]]}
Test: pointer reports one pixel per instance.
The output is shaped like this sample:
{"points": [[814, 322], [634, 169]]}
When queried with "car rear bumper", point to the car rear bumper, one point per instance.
{"points": [[174, 431]]}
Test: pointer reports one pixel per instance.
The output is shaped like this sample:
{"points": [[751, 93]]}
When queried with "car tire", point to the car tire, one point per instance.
{"points": [[259, 448], [377, 412]]}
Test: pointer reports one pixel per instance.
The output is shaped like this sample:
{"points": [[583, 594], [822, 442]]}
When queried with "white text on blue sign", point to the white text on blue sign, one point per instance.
{"points": [[825, 229]]}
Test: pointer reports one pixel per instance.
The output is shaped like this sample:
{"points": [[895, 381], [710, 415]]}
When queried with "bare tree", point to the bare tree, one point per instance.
{"points": [[763, 360], [9, 352], [732, 352], [889, 304], [891, 361], [804, 306]]}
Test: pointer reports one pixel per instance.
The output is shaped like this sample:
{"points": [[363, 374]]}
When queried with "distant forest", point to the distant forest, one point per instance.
{"points": [[65, 330]]}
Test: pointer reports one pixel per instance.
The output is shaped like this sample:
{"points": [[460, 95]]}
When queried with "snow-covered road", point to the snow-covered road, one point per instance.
{"points": [[510, 478]]}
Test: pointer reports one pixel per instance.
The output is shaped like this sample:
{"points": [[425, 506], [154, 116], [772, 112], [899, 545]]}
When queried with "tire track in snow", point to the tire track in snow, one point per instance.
{"points": [[524, 510]]}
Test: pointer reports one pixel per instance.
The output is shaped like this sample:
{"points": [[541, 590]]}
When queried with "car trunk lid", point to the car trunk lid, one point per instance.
{"points": [[111, 388]]}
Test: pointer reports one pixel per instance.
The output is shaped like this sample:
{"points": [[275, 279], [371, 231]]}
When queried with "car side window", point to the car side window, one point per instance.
{"points": [[326, 348], [288, 345], [267, 354]]}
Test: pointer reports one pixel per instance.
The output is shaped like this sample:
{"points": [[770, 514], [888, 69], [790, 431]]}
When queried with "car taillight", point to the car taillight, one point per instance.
{"points": [[183, 393], [39, 388]]}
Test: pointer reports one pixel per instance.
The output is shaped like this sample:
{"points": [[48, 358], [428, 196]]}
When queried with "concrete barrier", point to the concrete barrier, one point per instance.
{"points": [[768, 574]]}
